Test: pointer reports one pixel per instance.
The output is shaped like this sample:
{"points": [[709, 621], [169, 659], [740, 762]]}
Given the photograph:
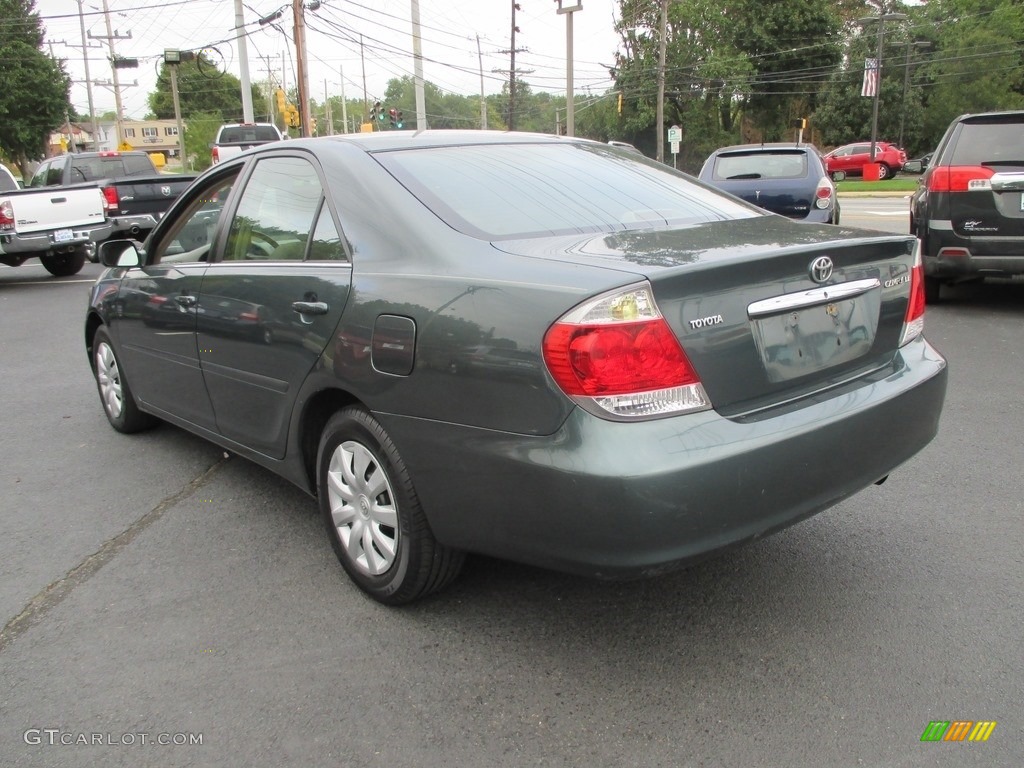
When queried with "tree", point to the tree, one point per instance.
{"points": [[34, 97], [200, 132], [203, 88]]}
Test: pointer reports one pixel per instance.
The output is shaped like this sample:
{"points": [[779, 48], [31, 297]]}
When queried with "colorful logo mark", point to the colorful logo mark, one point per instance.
{"points": [[958, 730]]}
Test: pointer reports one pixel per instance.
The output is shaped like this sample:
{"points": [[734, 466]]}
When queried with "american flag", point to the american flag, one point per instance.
{"points": [[870, 86]]}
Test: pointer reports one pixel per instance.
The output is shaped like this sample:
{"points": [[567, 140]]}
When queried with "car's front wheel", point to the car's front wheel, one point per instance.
{"points": [[373, 515], [115, 394]]}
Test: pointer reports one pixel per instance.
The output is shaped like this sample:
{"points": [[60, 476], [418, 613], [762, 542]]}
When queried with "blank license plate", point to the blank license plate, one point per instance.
{"points": [[794, 344], [63, 236]]}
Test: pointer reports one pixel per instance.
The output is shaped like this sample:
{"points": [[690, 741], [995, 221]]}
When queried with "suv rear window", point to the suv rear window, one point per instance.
{"points": [[239, 133], [784, 164], [992, 141]]}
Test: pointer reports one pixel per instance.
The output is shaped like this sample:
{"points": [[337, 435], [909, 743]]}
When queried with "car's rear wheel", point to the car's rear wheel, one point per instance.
{"points": [[373, 515], [115, 394], [65, 264], [884, 172]]}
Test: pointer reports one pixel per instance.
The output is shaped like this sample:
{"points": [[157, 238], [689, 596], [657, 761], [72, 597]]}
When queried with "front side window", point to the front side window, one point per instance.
{"points": [[276, 212], [192, 235]]}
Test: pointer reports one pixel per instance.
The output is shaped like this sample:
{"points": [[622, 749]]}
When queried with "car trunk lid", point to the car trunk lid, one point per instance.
{"points": [[761, 322]]}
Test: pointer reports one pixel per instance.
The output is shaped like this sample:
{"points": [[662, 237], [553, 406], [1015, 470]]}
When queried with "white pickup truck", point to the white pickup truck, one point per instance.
{"points": [[59, 226], [235, 138]]}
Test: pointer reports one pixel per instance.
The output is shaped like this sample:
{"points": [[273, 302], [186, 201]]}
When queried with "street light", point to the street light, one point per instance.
{"points": [[881, 18]]}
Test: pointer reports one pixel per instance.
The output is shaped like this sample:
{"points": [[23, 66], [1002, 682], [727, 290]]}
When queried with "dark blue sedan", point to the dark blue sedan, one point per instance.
{"points": [[787, 179]]}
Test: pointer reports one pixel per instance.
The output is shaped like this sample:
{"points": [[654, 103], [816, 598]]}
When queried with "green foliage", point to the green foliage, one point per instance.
{"points": [[200, 132], [34, 96], [203, 88]]}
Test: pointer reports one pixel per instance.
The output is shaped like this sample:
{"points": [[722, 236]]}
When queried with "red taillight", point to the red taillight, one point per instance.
{"points": [[913, 319], [110, 199], [215, 155], [594, 360], [617, 357], [823, 194], [6, 214], [958, 178]]}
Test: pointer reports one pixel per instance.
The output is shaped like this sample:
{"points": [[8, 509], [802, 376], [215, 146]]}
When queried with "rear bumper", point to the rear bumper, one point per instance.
{"points": [[611, 499], [44, 243], [948, 256], [131, 226]]}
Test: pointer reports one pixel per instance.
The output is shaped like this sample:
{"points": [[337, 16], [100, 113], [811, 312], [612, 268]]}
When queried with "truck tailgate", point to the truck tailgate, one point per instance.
{"points": [[40, 210]]}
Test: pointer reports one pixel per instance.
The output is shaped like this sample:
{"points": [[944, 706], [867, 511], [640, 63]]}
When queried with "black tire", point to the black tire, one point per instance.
{"points": [[384, 542], [932, 290], [65, 264], [115, 394], [884, 172]]}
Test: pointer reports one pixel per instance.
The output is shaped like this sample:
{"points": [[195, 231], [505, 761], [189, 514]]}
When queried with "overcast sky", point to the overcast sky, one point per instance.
{"points": [[449, 44]]}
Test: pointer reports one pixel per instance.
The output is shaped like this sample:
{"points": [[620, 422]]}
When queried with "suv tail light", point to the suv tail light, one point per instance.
{"points": [[913, 320], [616, 357], [110, 199], [823, 194], [960, 178], [215, 155]]}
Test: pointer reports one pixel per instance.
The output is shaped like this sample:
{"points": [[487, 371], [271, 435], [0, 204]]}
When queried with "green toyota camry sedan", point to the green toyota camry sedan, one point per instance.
{"points": [[538, 348]]}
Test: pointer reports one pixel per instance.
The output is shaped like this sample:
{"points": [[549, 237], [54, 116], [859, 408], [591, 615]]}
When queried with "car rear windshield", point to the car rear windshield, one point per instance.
{"points": [[781, 164], [241, 133], [112, 167], [504, 191], [990, 141]]}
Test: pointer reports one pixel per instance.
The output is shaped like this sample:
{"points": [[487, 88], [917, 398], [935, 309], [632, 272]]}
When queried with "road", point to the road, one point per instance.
{"points": [[153, 589]]}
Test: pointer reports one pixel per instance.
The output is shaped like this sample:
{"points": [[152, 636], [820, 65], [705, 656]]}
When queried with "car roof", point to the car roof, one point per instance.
{"points": [[385, 140], [1000, 113], [767, 146]]}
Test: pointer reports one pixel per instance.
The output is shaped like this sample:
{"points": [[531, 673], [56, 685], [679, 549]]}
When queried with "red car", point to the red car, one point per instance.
{"points": [[851, 158]]}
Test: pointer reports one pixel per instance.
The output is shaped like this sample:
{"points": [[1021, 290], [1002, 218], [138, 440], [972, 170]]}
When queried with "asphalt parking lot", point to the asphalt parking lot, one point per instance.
{"points": [[154, 590]]}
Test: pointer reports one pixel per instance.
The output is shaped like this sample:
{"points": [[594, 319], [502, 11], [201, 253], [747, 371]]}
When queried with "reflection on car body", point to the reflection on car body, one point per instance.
{"points": [[538, 348]]}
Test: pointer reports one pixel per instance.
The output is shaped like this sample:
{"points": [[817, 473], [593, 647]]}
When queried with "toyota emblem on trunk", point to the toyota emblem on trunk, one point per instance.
{"points": [[166, 190], [821, 269]]}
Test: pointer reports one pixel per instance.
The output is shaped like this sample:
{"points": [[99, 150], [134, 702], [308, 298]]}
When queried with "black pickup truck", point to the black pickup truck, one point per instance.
{"points": [[136, 194]]}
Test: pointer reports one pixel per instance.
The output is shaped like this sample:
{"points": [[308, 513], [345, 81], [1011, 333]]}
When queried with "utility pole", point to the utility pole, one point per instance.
{"points": [[512, 72], [243, 63], [417, 63], [88, 79], [570, 105], [300, 67], [344, 103], [111, 36], [483, 98], [659, 120]]}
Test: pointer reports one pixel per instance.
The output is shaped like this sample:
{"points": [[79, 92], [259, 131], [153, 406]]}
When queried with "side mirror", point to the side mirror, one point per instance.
{"points": [[913, 166], [838, 175], [120, 253]]}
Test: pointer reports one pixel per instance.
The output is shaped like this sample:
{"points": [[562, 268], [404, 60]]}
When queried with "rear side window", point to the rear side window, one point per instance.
{"points": [[137, 165], [7, 181], [503, 191], [761, 165], [990, 142]]}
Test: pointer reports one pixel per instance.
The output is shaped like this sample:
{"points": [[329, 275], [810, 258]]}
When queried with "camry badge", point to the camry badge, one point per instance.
{"points": [[821, 269]]}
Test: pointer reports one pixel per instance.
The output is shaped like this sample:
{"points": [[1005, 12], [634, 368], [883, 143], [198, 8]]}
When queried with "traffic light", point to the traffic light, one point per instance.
{"points": [[312, 125], [800, 123], [292, 116], [282, 105], [399, 124], [378, 110], [393, 117]]}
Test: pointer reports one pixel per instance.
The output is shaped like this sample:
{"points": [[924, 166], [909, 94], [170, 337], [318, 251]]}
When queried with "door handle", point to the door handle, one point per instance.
{"points": [[310, 307], [185, 300]]}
